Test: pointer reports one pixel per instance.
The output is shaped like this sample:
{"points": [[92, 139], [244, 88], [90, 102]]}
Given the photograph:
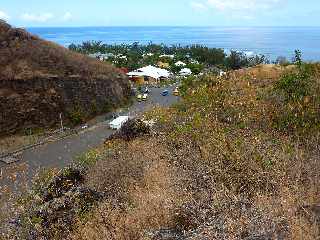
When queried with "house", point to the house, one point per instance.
{"points": [[222, 73], [163, 65], [166, 56], [185, 72], [106, 56], [120, 56], [180, 64], [147, 55], [95, 55], [151, 74], [101, 56]]}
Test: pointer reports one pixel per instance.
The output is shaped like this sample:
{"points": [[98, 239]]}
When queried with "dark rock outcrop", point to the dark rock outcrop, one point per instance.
{"points": [[39, 80]]}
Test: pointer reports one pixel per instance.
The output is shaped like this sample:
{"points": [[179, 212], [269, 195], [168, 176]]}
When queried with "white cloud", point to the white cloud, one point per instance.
{"points": [[198, 6], [67, 16], [4, 16], [43, 17]]}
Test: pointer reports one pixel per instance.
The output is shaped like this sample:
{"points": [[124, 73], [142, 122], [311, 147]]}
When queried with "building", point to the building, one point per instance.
{"points": [[185, 72], [147, 55], [150, 74], [166, 56], [180, 64], [163, 65], [101, 56]]}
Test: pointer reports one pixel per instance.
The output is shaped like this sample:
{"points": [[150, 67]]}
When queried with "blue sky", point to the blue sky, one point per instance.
{"points": [[161, 13]]}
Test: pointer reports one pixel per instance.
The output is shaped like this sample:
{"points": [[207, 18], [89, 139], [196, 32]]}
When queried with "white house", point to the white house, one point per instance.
{"points": [[194, 61], [166, 56], [101, 56], [147, 55], [150, 71], [185, 72], [180, 64], [222, 73]]}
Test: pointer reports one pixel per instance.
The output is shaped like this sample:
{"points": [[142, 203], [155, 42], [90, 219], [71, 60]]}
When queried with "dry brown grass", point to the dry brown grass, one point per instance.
{"points": [[14, 142], [216, 169], [25, 56], [144, 199], [221, 171]]}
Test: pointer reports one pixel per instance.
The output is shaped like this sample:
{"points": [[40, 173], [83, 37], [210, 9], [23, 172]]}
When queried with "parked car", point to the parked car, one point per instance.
{"points": [[118, 122], [144, 97], [165, 93], [139, 97], [176, 92]]}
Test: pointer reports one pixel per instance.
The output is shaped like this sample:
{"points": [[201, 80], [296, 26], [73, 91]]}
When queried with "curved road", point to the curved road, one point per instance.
{"points": [[61, 153]]}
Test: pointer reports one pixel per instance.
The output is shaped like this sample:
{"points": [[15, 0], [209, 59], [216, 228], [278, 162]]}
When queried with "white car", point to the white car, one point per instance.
{"points": [[118, 122]]}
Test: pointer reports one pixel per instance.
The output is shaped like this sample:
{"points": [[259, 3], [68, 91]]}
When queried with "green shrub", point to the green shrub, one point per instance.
{"points": [[195, 68], [77, 116], [300, 108], [295, 85], [107, 107], [89, 158], [186, 84]]}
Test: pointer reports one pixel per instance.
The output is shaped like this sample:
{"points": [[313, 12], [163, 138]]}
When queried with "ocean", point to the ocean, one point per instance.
{"points": [[270, 41]]}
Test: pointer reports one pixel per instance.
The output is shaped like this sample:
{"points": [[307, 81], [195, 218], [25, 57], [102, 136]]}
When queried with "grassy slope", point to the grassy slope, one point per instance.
{"points": [[221, 166], [25, 56], [221, 169]]}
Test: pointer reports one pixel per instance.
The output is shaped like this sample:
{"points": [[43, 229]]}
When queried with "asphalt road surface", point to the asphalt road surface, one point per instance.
{"points": [[61, 153]]}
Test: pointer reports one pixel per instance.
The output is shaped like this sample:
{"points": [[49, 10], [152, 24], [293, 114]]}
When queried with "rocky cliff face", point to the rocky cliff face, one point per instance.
{"points": [[39, 80]]}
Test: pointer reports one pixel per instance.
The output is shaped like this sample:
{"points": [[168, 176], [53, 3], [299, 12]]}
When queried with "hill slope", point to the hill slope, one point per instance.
{"points": [[39, 80], [236, 159]]}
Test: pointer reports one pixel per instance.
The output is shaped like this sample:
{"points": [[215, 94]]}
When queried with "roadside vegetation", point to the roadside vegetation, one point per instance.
{"points": [[197, 57], [236, 158]]}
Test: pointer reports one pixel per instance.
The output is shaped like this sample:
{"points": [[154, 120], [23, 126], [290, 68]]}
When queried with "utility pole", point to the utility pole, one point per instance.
{"points": [[61, 123]]}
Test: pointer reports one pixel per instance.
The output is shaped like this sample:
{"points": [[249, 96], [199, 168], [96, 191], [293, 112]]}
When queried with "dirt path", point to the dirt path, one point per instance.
{"points": [[61, 153]]}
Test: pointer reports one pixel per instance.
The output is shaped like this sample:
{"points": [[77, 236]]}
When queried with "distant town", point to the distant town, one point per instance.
{"points": [[153, 63]]}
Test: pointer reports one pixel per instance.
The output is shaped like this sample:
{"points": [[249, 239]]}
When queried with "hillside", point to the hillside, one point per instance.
{"points": [[238, 158], [39, 80]]}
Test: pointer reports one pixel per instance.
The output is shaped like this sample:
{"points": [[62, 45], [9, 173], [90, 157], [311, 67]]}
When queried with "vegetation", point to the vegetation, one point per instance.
{"points": [[40, 79], [300, 92], [215, 166], [77, 115], [28, 56], [196, 56]]}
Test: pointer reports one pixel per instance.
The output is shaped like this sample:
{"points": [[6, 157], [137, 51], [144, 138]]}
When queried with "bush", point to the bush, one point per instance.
{"points": [[195, 68], [299, 112], [236, 60], [133, 128], [89, 158], [77, 116], [295, 85]]}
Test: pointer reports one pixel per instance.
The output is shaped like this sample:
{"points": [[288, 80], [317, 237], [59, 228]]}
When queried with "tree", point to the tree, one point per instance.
{"points": [[195, 68], [281, 60], [236, 60]]}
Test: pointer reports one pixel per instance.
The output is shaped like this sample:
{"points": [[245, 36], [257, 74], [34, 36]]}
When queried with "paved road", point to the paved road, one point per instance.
{"points": [[61, 153]]}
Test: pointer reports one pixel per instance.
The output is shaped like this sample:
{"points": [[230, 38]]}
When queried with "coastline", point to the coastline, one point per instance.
{"points": [[270, 41]]}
